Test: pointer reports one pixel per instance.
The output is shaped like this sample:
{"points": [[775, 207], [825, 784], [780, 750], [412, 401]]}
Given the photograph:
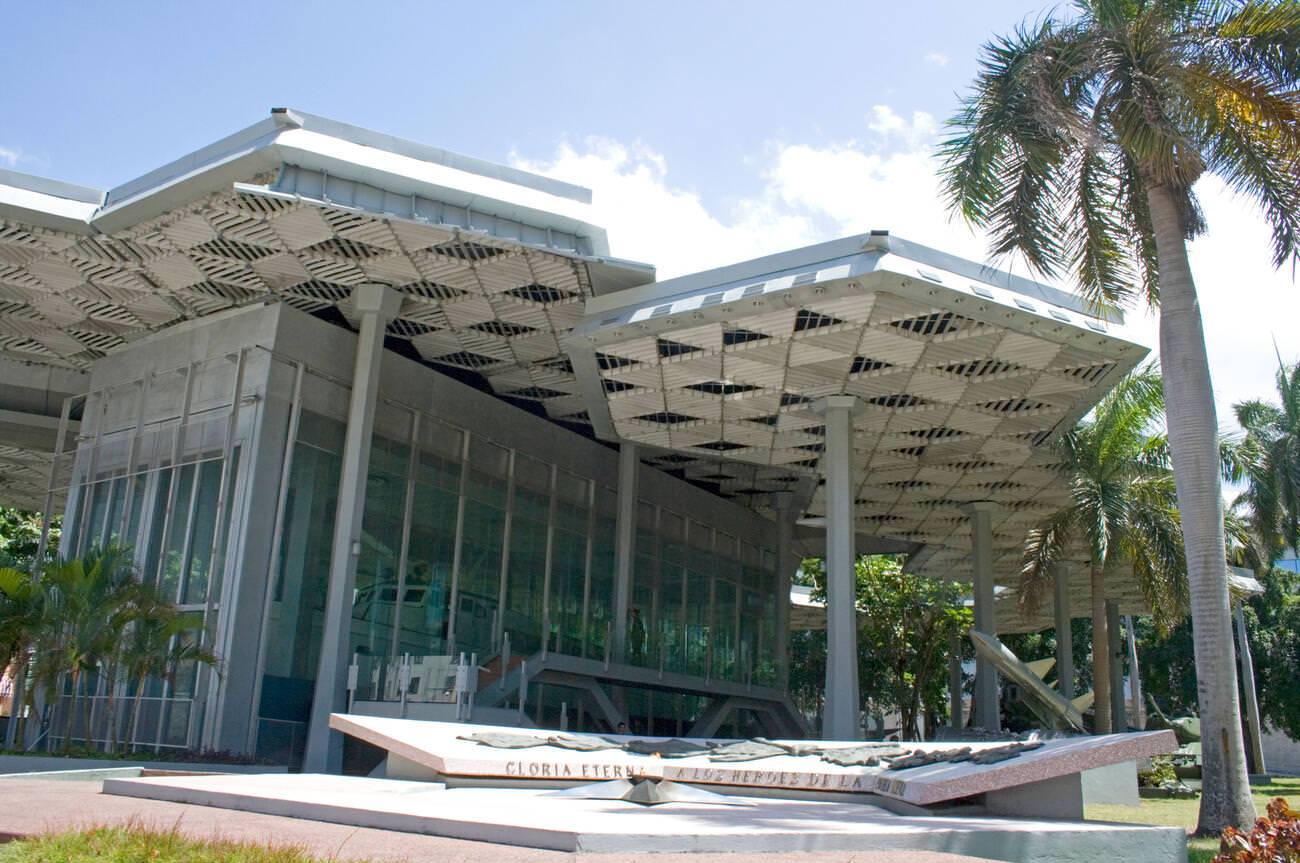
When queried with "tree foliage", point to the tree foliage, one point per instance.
{"points": [[1269, 461], [905, 624], [20, 535]]}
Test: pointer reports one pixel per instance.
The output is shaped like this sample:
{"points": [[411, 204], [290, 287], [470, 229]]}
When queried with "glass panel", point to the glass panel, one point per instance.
{"points": [[204, 526], [375, 598], [601, 597], [139, 485], [699, 594], [568, 563], [422, 615], [525, 582], [642, 646], [481, 547], [297, 613], [169, 579], [154, 547]]}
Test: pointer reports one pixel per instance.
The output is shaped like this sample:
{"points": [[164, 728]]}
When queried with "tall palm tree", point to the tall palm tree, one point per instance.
{"points": [[1271, 451], [1079, 148], [1122, 514]]}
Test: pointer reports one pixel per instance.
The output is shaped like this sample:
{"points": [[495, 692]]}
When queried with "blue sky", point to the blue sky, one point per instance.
{"points": [[709, 132], [99, 92]]}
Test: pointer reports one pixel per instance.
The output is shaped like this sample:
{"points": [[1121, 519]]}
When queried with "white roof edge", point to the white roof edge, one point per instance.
{"points": [[312, 142], [877, 242]]}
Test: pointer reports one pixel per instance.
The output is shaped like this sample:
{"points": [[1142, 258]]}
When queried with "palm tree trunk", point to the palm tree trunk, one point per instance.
{"points": [[1194, 445], [1100, 654], [70, 714], [135, 709]]}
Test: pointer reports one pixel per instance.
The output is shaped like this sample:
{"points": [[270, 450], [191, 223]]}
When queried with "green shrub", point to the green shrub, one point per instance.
{"points": [[1160, 772]]}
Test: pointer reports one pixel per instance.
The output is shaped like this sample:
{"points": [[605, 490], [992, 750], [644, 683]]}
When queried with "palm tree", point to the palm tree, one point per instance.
{"points": [[1122, 512], [86, 606], [1079, 148], [1271, 452], [160, 641]]}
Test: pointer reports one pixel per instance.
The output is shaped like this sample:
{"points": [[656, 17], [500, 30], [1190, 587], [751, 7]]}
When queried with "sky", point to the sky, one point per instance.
{"points": [[709, 132]]}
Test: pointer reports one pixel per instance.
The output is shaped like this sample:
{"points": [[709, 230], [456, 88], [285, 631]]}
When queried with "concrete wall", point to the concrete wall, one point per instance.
{"points": [[1281, 754]]}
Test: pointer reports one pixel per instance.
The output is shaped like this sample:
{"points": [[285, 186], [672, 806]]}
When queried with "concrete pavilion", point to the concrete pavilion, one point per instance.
{"points": [[365, 405]]}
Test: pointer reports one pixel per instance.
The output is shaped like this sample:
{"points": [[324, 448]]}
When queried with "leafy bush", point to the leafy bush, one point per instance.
{"points": [[1274, 839], [1160, 772]]}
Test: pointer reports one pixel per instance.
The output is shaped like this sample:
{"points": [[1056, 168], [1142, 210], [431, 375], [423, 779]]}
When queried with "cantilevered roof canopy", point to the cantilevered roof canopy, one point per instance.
{"points": [[966, 375], [494, 264], [966, 372]]}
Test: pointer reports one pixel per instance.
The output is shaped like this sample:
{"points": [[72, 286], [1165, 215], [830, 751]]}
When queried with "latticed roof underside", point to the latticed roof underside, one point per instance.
{"points": [[963, 386], [963, 382], [470, 302]]}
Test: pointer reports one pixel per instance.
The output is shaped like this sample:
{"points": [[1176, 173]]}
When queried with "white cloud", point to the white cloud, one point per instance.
{"points": [[808, 193], [937, 59], [9, 157]]}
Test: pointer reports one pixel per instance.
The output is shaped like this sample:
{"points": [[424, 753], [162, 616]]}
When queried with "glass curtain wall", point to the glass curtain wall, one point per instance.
{"points": [[465, 541], [525, 583], [482, 547], [568, 562], [152, 478]]}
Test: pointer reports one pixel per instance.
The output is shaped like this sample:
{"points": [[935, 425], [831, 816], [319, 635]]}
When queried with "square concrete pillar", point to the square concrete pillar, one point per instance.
{"points": [[840, 714], [987, 709], [376, 305]]}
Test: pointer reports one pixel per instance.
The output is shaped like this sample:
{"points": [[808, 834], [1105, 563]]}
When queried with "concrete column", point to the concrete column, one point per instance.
{"points": [[954, 681], [376, 305], [1248, 684], [1115, 643], [987, 709], [1064, 639], [783, 504], [840, 718], [624, 545]]}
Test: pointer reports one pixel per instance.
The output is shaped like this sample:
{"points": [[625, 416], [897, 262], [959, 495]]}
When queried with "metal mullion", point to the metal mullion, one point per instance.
{"points": [[42, 544], [738, 590], [146, 519], [550, 557], [183, 575], [277, 531], [453, 593], [404, 544], [656, 568], [713, 600], [133, 451], [178, 443], [589, 553], [505, 550], [216, 553], [87, 500]]}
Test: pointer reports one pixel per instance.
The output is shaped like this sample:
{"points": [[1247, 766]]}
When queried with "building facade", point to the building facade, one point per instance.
{"points": [[395, 427]]}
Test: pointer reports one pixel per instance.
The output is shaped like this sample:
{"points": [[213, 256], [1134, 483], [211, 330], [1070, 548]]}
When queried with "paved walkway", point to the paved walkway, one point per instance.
{"points": [[35, 806]]}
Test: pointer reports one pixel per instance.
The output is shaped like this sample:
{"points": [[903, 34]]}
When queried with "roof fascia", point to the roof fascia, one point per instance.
{"points": [[47, 203]]}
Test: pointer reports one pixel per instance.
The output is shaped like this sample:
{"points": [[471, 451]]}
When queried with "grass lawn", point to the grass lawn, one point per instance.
{"points": [[138, 845], [1182, 813]]}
